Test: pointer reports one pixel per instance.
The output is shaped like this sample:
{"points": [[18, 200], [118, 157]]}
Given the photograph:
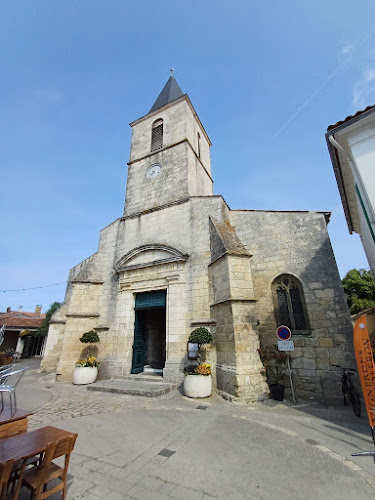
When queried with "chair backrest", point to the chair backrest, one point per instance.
{"points": [[4, 370], [5, 376], [63, 446], [5, 474], [5, 471]]}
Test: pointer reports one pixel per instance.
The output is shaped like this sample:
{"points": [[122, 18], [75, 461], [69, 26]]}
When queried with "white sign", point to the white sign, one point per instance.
{"points": [[285, 345]]}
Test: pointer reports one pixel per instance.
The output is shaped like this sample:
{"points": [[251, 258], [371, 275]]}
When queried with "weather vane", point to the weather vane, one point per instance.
{"points": [[172, 71]]}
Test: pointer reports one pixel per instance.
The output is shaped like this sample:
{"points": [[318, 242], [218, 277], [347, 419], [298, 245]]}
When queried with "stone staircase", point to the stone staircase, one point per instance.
{"points": [[135, 385]]}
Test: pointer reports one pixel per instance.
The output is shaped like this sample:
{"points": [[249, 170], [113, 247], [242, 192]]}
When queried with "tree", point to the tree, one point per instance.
{"points": [[359, 290], [42, 331]]}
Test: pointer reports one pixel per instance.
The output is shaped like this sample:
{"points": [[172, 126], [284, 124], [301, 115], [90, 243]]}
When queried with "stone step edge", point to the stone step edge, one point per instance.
{"points": [[134, 392]]}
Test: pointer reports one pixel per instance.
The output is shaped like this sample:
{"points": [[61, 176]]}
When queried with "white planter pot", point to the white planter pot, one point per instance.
{"points": [[197, 386], [83, 375]]}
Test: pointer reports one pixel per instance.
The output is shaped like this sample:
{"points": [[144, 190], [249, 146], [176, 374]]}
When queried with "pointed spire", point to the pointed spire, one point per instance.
{"points": [[170, 92]]}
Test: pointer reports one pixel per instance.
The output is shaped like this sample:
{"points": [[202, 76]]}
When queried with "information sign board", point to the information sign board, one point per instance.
{"points": [[285, 345]]}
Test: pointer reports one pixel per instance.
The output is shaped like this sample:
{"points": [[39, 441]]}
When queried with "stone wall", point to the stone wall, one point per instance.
{"points": [[228, 291], [297, 243]]}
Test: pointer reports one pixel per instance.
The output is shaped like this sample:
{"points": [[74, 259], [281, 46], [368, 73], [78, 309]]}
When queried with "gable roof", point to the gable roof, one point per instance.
{"points": [[18, 319], [171, 91]]}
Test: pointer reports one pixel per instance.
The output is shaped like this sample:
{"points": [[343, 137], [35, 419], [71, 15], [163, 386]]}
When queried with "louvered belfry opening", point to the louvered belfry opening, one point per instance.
{"points": [[157, 135]]}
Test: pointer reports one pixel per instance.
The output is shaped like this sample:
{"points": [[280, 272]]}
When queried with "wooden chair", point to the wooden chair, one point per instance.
{"points": [[37, 478], [5, 475]]}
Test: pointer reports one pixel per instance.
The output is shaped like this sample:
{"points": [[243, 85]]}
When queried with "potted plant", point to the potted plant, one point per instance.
{"points": [[274, 362], [197, 382], [200, 336], [86, 370]]}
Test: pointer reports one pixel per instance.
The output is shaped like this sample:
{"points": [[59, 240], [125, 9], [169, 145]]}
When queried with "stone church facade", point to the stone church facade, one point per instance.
{"points": [[180, 258]]}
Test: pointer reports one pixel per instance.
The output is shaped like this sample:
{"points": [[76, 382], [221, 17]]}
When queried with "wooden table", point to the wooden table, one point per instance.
{"points": [[29, 444], [13, 422]]}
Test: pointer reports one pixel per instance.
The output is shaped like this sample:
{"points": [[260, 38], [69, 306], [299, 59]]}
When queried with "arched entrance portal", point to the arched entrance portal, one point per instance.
{"points": [[149, 332]]}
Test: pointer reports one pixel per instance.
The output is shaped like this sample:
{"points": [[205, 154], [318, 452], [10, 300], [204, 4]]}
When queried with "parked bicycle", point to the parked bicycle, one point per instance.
{"points": [[349, 389]]}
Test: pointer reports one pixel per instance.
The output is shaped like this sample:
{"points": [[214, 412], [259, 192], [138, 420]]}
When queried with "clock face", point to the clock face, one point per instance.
{"points": [[154, 171]]}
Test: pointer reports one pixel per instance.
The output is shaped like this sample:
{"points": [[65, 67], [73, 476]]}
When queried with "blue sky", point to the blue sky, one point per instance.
{"points": [[266, 79]]}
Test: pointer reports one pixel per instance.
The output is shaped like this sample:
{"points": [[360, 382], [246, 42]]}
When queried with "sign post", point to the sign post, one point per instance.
{"points": [[366, 373], [284, 335]]}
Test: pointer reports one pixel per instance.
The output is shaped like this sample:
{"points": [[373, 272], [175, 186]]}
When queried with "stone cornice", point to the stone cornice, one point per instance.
{"points": [[130, 163], [82, 315], [232, 254], [91, 282], [232, 300]]}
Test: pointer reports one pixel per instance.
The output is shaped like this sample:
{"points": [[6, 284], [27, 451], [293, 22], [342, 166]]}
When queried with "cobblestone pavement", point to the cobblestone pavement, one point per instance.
{"points": [[171, 447]]}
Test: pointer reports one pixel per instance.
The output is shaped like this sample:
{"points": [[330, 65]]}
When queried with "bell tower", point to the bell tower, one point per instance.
{"points": [[169, 156]]}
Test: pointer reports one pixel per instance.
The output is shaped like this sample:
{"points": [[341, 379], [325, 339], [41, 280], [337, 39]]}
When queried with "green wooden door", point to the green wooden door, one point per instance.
{"points": [[138, 346], [145, 300]]}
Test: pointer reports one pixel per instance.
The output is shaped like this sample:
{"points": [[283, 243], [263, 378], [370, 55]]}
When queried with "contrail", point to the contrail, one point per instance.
{"points": [[310, 98], [327, 80]]}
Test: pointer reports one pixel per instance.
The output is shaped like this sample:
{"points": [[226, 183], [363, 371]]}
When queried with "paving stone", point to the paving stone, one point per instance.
{"points": [[97, 478], [119, 485], [115, 495], [141, 493], [93, 465], [183, 493], [167, 488], [152, 483], [134, 478], [100, 491], [118, 472]]}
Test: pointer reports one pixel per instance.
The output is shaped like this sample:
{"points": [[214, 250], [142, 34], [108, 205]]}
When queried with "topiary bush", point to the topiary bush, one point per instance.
{"points": [[90, 337], [201, 336]]}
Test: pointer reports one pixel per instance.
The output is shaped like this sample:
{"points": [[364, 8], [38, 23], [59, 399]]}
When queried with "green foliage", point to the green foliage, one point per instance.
{"points": [[201, 336], [275, 362], [359, 290], [42, 331], [90, 337]]}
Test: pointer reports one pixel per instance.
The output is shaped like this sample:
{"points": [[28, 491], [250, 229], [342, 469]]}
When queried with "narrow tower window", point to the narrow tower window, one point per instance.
{"points": [[289, 302], [199, 145], [157, 135]]}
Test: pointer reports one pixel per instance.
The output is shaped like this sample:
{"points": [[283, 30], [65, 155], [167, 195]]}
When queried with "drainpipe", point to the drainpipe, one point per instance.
{"points": [[358, 180]]}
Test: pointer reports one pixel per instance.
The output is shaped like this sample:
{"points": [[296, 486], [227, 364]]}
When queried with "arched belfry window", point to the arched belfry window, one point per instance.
{"points": [[157, 135], [289, 303]]}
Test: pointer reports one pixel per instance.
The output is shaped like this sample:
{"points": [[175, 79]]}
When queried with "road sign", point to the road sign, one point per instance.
{"points": [[283, 333], [285, 345]]}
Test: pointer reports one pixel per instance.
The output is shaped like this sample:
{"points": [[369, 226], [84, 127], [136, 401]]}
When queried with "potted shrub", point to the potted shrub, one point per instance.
{"points": [[200, 336], [197, 382], [86, 370], [274, 362]]}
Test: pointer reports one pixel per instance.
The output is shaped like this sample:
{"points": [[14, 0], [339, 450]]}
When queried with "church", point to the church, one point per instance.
{"points": [[179, 258]]}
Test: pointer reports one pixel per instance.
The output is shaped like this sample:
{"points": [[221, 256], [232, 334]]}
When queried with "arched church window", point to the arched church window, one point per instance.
{"points": [[157, 135], [289, 303], [199, 145]]}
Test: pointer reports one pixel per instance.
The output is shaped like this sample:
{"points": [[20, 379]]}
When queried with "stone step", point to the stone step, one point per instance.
{"points": [[146, 377], [134, 387]]}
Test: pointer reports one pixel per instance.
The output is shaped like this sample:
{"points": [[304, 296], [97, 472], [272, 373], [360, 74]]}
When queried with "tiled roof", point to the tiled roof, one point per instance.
{"points": [[17, 319], [350, 117]]}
